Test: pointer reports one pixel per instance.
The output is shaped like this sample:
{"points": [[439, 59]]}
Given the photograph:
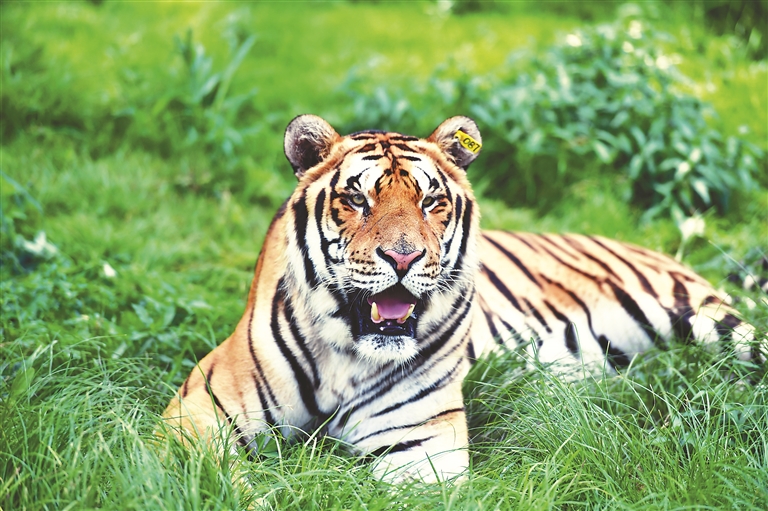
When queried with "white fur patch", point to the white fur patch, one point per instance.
{"points": [[381, 349]]}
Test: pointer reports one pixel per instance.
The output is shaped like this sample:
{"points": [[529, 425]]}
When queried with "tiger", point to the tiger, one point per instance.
{"points": [[375, 291]]}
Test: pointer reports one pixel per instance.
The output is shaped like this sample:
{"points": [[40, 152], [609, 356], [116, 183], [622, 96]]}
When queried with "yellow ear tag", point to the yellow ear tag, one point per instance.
{"points": [[469, 143]]}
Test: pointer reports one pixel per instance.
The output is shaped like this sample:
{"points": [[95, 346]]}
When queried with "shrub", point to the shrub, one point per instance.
{"points": [[606, 98], [196, 111], [185, 111], [612, 98]]}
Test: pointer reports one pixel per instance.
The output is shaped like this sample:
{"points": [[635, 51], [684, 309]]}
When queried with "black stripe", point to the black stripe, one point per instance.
{"points": [[268, 417], [241, 437], [465, 226], [682, 312], [324, 243], [353, 183], [521, 239], [571, 267], [301, 212], [335, 180], [514, 259], [516, 335], [438, 343], [290, 317], [650, 254], [498, 284], [725, 326], [640, 277], [259, 379], [613, 355], [537, 315], [282, 209], [185, 388], [402, 446], [580, 248], [406, 426], [319, 204], [571, 339], [459, 210], [306, 390], [550, 241], [444, 179], [432, 387], [367, 148], [489, 320], [471, 353], [403, 147], [633, 309]]}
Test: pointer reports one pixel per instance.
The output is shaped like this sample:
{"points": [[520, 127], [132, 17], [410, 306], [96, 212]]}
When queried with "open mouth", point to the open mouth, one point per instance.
{"points": [[391, 312]]}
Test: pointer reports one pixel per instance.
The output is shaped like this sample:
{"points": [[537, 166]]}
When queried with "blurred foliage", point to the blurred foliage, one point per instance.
{"points": [[197, 114], [190, 114], [746, 19], [606, 98]]}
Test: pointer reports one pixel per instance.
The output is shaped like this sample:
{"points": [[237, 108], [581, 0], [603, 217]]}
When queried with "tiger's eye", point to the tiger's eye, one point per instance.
{"points": [[358, 199], [427, 202]]}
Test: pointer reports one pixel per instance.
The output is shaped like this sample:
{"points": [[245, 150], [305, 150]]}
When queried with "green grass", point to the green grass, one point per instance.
{"points": [[89, 360]]}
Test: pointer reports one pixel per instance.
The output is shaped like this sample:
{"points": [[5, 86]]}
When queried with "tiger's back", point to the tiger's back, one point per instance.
{"points": [[375, 290], [592, 302]]}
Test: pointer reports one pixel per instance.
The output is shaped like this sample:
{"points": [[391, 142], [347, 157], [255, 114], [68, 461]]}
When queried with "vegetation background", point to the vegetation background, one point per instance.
{"points": [[141, 162]]}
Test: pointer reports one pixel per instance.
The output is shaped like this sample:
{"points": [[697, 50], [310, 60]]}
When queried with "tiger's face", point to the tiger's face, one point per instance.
{"points": [[394, 219]]}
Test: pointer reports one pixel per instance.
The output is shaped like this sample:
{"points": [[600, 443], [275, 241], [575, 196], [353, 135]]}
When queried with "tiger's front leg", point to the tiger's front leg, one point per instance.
{"points": [[424, 439], [228, 401]]}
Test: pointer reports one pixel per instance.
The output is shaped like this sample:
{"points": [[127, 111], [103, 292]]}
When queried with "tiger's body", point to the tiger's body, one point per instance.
{"points": [[375, 290]]}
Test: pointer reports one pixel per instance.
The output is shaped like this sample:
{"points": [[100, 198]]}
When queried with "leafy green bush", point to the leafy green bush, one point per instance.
{"points": [[605, 98], [612, 98], [187, 110], [744, 19], [196, 112]]}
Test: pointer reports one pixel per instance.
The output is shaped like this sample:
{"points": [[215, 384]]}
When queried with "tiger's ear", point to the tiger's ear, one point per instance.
{"points": [[308, 141], [459, 138]]}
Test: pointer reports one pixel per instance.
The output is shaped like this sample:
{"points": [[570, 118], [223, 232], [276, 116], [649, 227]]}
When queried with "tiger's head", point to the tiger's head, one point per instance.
{"points": [[384, 232]]}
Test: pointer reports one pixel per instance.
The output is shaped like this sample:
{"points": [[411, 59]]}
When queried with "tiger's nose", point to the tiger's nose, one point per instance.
{"points": [[400, 262]]}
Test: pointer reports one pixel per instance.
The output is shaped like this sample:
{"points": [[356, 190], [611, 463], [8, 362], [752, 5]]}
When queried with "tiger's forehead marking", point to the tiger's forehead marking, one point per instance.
{"points": [[382, 160]]}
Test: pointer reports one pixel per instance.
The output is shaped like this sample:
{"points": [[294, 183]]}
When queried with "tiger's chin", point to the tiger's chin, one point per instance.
{"points": [[382, 349]]}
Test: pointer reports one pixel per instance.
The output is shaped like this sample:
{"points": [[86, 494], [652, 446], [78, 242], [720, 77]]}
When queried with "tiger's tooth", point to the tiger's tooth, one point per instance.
{"points": [[408, 315], [375, 313]]}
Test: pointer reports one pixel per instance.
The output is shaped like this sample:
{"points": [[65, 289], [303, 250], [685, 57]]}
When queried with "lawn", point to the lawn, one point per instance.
{"points": [[141, 162]]}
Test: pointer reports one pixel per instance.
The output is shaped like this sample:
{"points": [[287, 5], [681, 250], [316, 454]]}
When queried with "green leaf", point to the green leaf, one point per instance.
{"points": [[22, 382], [701, 189], [635, 166], [602, 151], [142, 314]]}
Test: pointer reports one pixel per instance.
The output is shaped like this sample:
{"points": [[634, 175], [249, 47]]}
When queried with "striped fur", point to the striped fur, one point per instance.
{"points": [[374, 212]]}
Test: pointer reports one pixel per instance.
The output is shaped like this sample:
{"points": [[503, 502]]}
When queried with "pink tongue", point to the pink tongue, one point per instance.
{"points": [[393, 303]]}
